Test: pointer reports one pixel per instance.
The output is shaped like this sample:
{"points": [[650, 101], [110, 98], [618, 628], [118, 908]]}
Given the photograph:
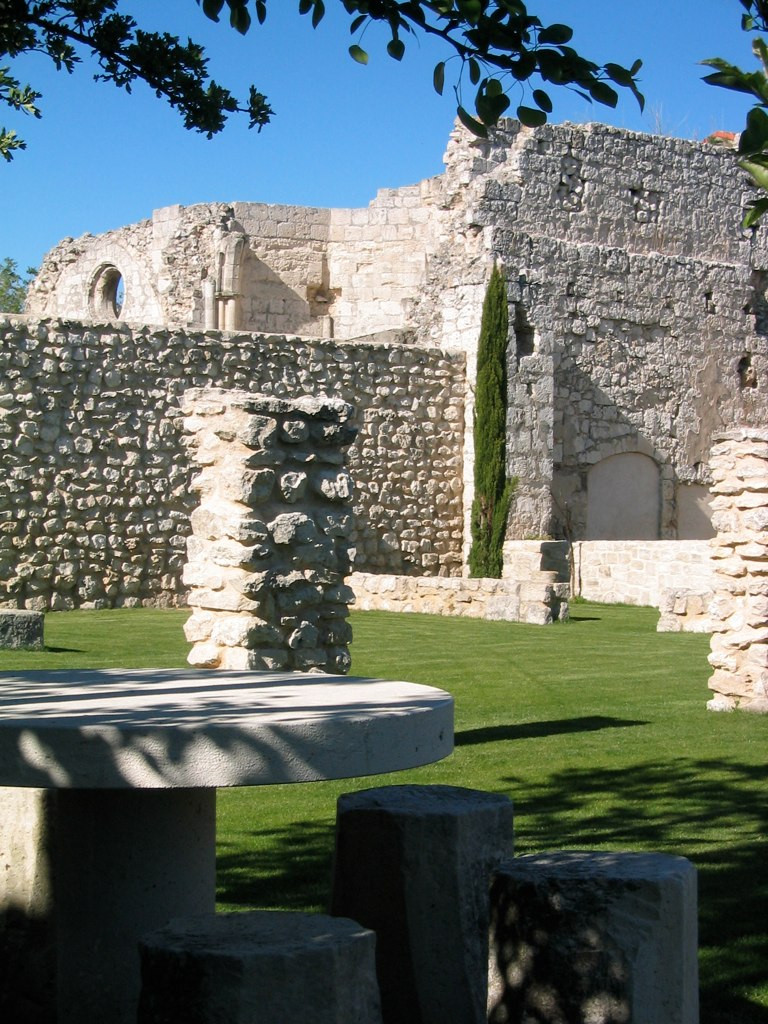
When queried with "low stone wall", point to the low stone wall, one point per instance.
{"points": [[539, 600], [641, 572]]}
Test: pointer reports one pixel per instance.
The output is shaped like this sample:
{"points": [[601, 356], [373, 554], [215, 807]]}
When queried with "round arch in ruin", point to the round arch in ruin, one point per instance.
{"points": [[624, 498]]}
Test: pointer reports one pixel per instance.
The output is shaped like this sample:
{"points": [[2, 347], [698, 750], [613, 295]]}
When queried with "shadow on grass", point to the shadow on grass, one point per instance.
{"points": [[536, 730], [713, 812], [284, 869]]}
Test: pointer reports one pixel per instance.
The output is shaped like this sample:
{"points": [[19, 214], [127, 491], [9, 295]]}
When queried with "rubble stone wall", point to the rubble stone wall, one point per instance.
{"points": [[638, 322], [269, 547], [95, 497], [739, 651]]}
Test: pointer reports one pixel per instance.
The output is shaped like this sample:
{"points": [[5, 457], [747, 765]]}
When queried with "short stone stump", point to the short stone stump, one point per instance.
{"points": [[414, 864], [594, 938], [21, 630], [260, 967]]}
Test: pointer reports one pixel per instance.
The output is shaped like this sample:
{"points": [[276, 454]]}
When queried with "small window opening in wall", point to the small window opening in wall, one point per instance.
{"points": [[524, 335], [108, 294], [746, 372], [709, 304]]}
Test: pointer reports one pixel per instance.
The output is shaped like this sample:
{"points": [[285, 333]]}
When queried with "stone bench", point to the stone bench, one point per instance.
{"points": [[268, 966], [21, 630], [598, 937], [414, 863]]}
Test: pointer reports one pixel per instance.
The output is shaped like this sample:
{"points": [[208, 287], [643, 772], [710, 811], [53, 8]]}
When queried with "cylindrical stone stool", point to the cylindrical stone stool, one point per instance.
{"points": [[414, 864], [261, 967], [594, 938]]}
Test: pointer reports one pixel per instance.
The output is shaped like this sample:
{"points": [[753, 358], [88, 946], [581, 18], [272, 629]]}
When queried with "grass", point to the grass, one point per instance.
{"points": [[596, 728]]}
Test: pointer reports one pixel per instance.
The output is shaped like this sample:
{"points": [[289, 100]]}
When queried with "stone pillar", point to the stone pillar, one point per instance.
{"points": [[266, 966], [594, 937], [739, 609], [268, 552], [413, 863]]}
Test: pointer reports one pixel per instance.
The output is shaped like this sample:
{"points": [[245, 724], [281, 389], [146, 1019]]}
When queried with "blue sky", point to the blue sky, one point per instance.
{"points": [[99, 158]]}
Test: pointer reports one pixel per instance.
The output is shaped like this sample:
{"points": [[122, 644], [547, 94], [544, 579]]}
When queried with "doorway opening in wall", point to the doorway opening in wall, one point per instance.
{"points": [[107, 293]]}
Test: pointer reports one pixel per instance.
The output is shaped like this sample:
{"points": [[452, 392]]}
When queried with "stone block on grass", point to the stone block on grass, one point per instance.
{"points": [[21, 630], [594, 938], [414, 863], [260, 967]]}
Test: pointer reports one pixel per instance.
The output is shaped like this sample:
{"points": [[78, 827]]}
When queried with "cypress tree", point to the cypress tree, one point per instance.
{"points": [[493, 491]]}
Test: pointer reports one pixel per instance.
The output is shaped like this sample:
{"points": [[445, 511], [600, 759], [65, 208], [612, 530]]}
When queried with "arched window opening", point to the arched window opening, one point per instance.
{"points": [[107, 299]]}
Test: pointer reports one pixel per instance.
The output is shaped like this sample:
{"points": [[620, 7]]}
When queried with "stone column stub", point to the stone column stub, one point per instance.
{"points": [[739, 607], [269, 551]]}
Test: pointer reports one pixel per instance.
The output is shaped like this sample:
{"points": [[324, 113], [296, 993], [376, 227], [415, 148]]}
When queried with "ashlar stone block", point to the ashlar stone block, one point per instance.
{"points": [[594, 938], [413, 863], [264, 967], [21, 630]]}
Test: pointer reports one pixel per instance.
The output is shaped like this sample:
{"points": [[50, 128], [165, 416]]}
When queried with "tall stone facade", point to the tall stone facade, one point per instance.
{"points": [[638, 326]]}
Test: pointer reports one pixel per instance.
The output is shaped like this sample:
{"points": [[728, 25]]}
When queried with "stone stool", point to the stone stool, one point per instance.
{"points": [[594, 938], [414, 863], [261, 967], [21, 630]]}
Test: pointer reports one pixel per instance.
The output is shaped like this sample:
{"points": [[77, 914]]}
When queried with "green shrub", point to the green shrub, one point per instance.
{"points": [[493, 491]]}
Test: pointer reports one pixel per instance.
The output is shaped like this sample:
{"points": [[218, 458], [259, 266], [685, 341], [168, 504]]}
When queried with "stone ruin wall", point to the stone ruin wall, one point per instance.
{"points": [[95, 497], [269, 549], [637, 304], [250, 267]]}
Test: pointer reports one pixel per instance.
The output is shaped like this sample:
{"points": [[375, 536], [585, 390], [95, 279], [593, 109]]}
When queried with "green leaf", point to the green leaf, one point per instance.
{"points": [[261, 11], [554, 35], [396, 49], [438, 77], [318, 13], [754, 138], [758, 172], [530, 117], [212, 9], [755, 212], [358, 53], [541, 99], [760, 50], [619, 74], [240, 18], [471, 124], [355, 25], [603, 93], [474, 71]]}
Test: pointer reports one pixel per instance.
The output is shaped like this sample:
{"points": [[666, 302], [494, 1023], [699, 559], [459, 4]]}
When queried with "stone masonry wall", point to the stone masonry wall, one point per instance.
{"points": [[739, 650], [638, 305], [539, 598], [269, 551], [95, 498]]}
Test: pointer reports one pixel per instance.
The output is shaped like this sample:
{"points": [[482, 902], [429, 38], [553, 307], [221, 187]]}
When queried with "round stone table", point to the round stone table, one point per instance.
{"points": [[135, 757]]}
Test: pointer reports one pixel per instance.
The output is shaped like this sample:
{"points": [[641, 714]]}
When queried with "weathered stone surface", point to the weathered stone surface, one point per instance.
{"points": [[21, 629], [739, 646], [260, 606], [638, 327], [265, 966], [604, 938], [413, 863]]}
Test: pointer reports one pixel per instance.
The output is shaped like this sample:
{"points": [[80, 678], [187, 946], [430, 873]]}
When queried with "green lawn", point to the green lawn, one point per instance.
{"points": [[596, 728]]}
